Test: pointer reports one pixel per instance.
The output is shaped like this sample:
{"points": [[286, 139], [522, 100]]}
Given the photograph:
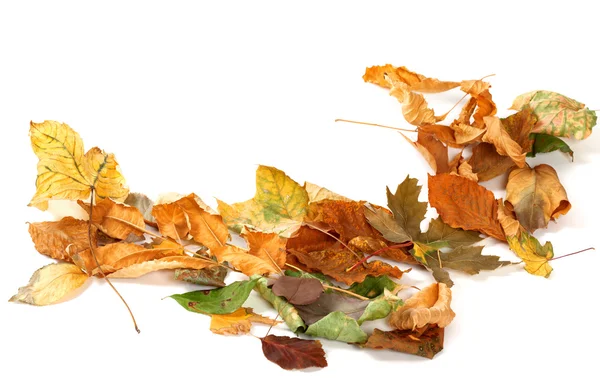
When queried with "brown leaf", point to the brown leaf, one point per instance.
{"points": [[367, 244], [519, 126], [115, 219], [386, 75], [268, 246], [537, 196], [444, 134], [465, 170], [335, 262], [245, 262], [332, 302], [206, 228], [466, 112], [434, 151], [500, 138], [426, 344], [466, 134], [238, 322], [308, 239], [171, 221], [293, 353], [462, 203], [431, 305], [164, 263], [61, 239], [143, 204], [298, 291], [487, 163]]}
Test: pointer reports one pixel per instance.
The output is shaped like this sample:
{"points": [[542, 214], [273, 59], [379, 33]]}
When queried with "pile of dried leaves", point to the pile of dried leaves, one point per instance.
{"points": [[310, 251]]}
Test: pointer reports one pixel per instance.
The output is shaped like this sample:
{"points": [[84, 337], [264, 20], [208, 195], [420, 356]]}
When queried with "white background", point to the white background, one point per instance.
{"points": [[192, 97]]}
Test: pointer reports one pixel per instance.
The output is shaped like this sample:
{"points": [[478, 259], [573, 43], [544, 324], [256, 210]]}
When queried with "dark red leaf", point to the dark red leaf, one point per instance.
{"points": [[293, 353]]}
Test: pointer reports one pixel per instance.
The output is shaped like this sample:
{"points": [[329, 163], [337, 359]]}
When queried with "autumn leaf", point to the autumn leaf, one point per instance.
{"points": [[434, 151], [286, 311], [217, 301], [544, 143], [143, 204], [444, 134], [386, 75], [466, 134], [386, 224], [279, 205], [487, 163], [414, 106], [535, 256], [238, 322], [332, 302], [335, 262], [209, 276], [63, 238], [51, 283], [245, 262], [380, 307], [481, 103], [307, 239], [462, 203], [171, 221], [537, 196], [317, 193], [497, 135], [337, 326], [431, 305], [293, 353], [268, 246], [116, 220], [65, 172], [206, 228], [557, 114], [372, 287], [408, 211], [426, 344], [298, 291], [440, 232]]}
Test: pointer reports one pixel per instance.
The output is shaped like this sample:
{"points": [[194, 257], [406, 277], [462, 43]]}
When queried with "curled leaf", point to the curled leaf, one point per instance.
{"points": [[144, 204], [116, 220], [425, 344], [245, 262], [497, 135], [428, 306], [61, 239], [286, 310], [238, 322]]}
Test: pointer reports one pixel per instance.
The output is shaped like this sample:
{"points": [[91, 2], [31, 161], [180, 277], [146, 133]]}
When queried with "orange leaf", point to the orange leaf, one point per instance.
{"points": [[386, 75], [238, 322], [462, 203], [245, 262], [487, 163], [499, 137], [206, 228], [61, 239], [109, 217], [431, 305], [171, 220], [268, 246]]}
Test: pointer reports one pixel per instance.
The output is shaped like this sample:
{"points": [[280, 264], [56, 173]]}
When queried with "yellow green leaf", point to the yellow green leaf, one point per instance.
{"points": [[51, 283], [535, 256], [65, 172]]}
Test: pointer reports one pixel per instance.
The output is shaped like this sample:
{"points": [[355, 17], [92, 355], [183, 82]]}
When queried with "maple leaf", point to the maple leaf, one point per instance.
{"points": [[408, 211], [335, 262], [298, 291], [65, 172], [462, 203], [51, 283], [287, 311], [238, 322], [537, 196], [427, 344], [544, 143], [144, 204], [293, 353], [223, 300], [337, 326], [431, 305], [331, 302], [557, 114], [440, 232], [279, 205], [61, 239]]}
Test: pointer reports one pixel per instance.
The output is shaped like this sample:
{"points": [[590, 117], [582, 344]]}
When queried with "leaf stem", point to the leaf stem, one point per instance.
{"points": [[396, 246], [374, 125], [93, 195], [576, 252]]}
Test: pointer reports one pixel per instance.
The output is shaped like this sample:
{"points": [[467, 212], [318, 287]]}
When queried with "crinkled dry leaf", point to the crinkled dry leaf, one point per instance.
{"points": [[487, 163], [500, 138], [143, 204], [426, 344], [317, 193], [428, 306], [434, 151], [508, 220], [51, 283], [268, 246], [535, 256], [444, 134], [466, 134], [463, 203], [61, 239], [293, 353], [65, 172], [116, 220], [238, 322], [386, 75], [245, 262], [206, 228], [414, 106], [171, 220], [165, 263]]}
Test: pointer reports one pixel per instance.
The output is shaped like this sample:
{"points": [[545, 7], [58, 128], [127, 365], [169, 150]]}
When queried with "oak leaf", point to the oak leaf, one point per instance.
{"points": [[462, 203], [238, 322], [537, 196], [426, 344], [61, 239], [279, 205], [51, 283], [293, 353], [298, 291], [431, 305], [65, 172], [497, 135], [557, 114]]}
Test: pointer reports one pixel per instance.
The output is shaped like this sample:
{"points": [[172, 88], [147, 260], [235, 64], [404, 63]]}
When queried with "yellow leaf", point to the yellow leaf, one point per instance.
{"points": [[238, 322], [497, 135], [414, 106], [465, 134], [65, 172], [428, 306], [245, 262], [534, 255], [50, 284], [509, 224]]}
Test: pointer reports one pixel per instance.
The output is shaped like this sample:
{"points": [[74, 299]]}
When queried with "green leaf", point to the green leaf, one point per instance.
{"points": [[557, 115], [381, 307], [535, 256], [286, 310], [217, 301], [408, 211], [446, 236], [372, 287], [544, 143], [279, 205], [430, 258], [338, 326]]}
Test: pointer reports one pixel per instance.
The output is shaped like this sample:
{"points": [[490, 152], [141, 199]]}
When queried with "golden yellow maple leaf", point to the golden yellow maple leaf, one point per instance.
{"points": [[238, 322], [65, 172]]}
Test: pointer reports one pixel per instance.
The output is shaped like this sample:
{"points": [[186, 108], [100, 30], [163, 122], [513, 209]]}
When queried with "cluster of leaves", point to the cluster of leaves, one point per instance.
{"points": [[309, 252]]}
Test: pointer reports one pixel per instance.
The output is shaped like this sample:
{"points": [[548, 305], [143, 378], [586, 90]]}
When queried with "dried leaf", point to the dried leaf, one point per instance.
{"points": [[61, 239], [370, 245], [462, 203], [444, 134], [499, 137], [279, 205], [535, 256], [293, 353], [285, 310], [238, 322], [386, 75], [470, 260], [414, 106], [428, 306], [308, 239], [487, 163], [337, 326], [544, 143], [317, 193], [439, 231], [143, 204], [466, 134], [372, 287], [434, 151], [50, 283], [136, 270], [557, 114], [508, 220], [171, 221], [298, 291], [116, 220], [381, 307], [268, 246], [65, 172], [206, 228], [520, 126], [217, 301], [335, 262], [210, 276], [424, 345], [332, 302], [386, 224], [408, 211], [245, 262], [537, 196]]}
